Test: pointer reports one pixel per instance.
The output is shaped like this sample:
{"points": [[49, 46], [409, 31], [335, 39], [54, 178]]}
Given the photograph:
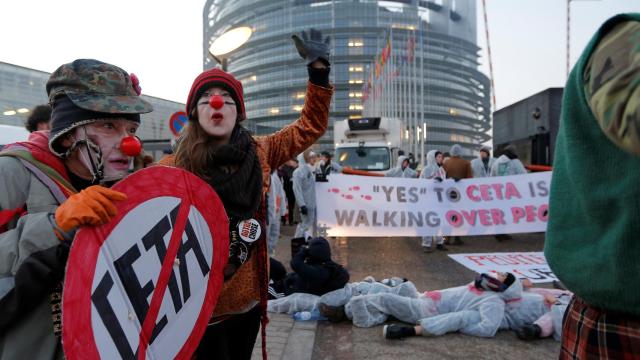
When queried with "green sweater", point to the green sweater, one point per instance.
{"points": [[593, 234]]}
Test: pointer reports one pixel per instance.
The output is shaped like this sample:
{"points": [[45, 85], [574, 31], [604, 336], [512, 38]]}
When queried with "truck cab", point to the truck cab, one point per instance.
{"points": [[369, 144]]}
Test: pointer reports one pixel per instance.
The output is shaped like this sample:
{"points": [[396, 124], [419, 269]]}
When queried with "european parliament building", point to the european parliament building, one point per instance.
{"points": [[454, 95]]}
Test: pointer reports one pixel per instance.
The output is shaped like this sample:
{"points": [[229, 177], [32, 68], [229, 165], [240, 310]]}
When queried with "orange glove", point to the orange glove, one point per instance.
{"points": [[91, 206]]}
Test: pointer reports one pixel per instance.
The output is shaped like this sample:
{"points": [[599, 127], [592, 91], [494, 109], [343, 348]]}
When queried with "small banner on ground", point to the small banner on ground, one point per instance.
{"points": [[524, 265], [145, 284], [350, 205]]}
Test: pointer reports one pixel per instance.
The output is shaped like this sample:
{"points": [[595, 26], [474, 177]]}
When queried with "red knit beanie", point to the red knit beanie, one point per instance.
{"points": [[219, 78]]}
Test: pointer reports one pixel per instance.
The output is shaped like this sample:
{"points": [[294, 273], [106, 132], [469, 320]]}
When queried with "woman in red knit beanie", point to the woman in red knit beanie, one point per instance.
{"points": [[216, 147]]}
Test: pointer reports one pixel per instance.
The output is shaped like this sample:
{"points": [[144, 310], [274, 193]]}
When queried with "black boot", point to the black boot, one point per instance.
{"points": [[529, 332], [394, 331]]}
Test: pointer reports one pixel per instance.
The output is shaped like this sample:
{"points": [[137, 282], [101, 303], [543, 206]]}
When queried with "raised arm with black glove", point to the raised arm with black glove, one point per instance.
{"points": [[315, 51]]}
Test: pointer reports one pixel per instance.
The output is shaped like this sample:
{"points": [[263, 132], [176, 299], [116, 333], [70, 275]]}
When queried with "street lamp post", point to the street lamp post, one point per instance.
{"points": [[226, 43]]}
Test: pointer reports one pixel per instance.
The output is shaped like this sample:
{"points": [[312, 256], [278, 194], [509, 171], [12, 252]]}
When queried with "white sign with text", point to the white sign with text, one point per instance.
{"points": [[363, 206], [524, 265]]}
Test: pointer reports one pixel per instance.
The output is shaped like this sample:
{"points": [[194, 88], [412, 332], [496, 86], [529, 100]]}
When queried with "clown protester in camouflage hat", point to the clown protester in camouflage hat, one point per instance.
{"points": [[95, 105], [53, 184]]}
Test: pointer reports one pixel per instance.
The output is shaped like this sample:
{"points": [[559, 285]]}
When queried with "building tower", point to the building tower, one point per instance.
{"points": [[440, 88]]}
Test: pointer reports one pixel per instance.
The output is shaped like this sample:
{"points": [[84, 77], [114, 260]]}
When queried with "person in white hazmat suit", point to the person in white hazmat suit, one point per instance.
{"points": [[481, 166], [331, 304], [304, 188], [402, 169], [276, 206], [433, 170], [538, 313], [476, 309], [508, 163]]}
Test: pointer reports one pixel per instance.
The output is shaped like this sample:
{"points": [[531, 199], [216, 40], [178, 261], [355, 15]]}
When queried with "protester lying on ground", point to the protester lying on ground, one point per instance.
{"points": [[475, 309], [304, 189], [331, 305], [534, 325], [308, 302], [314, 271]]}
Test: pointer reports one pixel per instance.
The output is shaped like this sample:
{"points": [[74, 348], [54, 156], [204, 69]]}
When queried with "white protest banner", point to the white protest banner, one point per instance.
{"points": [[145, 284], [524, 265], [350, 205]]}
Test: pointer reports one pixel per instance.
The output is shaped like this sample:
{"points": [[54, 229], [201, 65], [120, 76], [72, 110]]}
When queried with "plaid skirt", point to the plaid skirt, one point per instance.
{"points": [[592, 333]]}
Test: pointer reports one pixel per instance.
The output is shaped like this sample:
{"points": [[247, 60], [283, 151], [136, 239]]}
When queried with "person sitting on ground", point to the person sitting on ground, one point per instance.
{"points": [[314, 271], [277, 274], [402, 169]]}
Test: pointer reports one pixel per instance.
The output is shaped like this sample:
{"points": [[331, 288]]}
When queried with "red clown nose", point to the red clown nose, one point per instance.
{"points": [[216, 102], [130, 146]]}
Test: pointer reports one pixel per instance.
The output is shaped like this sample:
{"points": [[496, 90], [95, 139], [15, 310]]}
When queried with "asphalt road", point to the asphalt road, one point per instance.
{"points": [[403, 257]]}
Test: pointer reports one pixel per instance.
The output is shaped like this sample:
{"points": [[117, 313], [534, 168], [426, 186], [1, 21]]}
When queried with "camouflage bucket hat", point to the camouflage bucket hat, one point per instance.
{"points": [[97, 86]]}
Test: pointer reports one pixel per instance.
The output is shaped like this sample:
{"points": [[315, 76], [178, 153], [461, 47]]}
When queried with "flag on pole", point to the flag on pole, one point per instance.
{"points": [[411, 44]]}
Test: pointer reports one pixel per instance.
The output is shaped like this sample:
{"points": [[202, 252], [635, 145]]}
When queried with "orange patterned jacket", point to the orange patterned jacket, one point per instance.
{"points": [[242, 292]]}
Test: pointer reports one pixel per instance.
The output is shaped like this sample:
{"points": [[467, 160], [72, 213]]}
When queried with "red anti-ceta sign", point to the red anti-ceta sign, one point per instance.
{"points": [[145, 284]]}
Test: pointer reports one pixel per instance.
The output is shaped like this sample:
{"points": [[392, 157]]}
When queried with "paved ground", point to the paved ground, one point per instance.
{"points": [[385, 257]]}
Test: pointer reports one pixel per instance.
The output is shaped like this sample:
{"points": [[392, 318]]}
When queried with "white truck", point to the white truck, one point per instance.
{"points": [[369, 143]]}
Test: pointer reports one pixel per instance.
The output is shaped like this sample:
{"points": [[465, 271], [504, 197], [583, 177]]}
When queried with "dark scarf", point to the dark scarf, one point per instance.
{"points": [[240, 190]]}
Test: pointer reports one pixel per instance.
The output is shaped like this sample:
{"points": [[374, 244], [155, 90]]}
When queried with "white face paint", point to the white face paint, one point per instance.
{"points": [[106, 134], [217, 123]]}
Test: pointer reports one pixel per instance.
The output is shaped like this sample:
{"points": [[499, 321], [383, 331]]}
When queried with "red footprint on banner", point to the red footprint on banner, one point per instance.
{"points": [[347, 196], [366, 197], [334, 190], [356, 188]]}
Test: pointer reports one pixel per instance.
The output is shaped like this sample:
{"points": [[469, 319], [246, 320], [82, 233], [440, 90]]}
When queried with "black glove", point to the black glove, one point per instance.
{"points": [[312, 48], [438, 179], [456, 179], [303, 210]]}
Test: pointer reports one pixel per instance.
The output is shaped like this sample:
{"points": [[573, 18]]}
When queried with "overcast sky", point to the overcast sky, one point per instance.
{"points": [[161, 41]]}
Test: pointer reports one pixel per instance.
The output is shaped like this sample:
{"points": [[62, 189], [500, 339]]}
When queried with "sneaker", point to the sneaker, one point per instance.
{"points": [[427, 249], [394, 331], [529, 332], [441, 247], [332, 313]]}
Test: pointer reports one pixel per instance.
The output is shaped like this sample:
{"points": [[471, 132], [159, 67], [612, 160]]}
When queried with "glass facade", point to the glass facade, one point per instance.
{"points": [[454, 94], [22, 88]]}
